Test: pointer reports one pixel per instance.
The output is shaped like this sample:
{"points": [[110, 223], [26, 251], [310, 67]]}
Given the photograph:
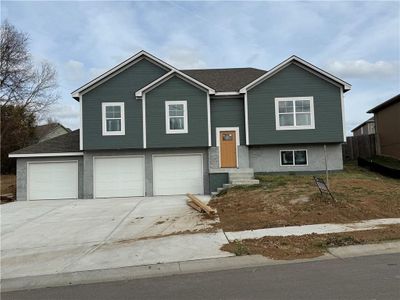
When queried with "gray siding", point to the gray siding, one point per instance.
{"points": [[227, 112], [22, 173], [291, 82], [120, 88], [176, 89], [267, 158]]}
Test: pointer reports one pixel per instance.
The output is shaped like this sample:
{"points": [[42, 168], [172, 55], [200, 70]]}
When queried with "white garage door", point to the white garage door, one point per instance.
{"points": [[53, 180], [178, 174], [118, 176]]}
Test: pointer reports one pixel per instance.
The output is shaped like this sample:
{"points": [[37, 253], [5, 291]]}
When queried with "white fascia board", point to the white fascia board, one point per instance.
{"points": [[121, 65], [46, 154], [284, 64], [246, 119], [167, 76], [227, 93], [209, 119], [154, 83], [80, 123], [343, 113], [144, 122]]}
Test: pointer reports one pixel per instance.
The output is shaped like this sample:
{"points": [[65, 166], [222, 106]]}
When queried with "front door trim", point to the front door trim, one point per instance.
{"points": [[217, 142]]}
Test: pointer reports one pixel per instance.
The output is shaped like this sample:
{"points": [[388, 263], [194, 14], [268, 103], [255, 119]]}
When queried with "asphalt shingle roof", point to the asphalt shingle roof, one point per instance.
{"points": [[385, 104], [226, 80], [68, 142]]}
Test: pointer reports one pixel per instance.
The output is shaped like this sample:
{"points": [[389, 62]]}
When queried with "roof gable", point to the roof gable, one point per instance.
{"points": [[303, 64], [118, 69], [168, 76], [226, 80]]}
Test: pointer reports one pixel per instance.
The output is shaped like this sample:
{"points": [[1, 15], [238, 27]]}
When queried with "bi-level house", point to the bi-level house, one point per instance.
{"points": [[147, 128]]}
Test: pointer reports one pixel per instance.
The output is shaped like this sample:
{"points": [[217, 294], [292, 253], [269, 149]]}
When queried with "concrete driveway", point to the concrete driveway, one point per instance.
{"points": [[47, 237]]}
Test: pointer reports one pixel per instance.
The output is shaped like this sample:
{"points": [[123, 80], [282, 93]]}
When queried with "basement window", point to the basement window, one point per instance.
{"points": [[294, 157]]}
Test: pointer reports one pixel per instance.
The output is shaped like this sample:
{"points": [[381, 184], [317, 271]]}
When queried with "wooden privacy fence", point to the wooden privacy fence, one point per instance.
{"points": [[359, 146]]}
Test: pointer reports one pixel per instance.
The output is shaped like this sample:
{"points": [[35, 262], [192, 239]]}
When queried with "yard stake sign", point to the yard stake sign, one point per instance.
{"points": [[323, 188]]}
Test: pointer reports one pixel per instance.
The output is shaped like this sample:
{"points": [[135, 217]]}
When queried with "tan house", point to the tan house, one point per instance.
{"points": [[387, 127], [365, 128], [49, 131]]}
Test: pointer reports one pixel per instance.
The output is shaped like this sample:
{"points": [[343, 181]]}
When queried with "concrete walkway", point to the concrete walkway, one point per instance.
{"points": [[309, 229]]}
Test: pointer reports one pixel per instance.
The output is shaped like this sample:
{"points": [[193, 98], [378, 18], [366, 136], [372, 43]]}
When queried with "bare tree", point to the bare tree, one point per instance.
{"points": [[21, 82], [26, 92]]}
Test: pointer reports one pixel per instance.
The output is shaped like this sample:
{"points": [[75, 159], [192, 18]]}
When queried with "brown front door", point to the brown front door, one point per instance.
{"points": [[227, 141]]}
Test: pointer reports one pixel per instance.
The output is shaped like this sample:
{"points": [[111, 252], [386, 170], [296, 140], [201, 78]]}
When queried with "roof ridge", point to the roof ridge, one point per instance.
{"points": [[239, 68]]}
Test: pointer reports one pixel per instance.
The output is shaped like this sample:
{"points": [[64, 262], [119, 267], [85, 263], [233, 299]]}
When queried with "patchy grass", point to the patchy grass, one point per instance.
{"points": [[284, 200], [239, 248], [7, 183], [310, 245]]}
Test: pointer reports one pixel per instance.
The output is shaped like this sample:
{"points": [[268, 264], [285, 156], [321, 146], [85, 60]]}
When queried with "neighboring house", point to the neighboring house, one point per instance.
{"points": [[49, 131], [387, 124], [148, 128], [365, 128]]}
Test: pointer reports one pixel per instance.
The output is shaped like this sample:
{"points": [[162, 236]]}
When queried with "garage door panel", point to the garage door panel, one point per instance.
{"points": [[180, 174], [53, 180], [119, 177]]}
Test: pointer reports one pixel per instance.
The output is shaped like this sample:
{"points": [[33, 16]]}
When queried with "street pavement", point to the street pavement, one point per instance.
{"points": [[366, 277]]}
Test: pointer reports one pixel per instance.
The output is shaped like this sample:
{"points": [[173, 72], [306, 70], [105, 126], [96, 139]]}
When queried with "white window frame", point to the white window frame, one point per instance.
{"points": [[104, 105], [294, 127], [185, 117], [294, 160]]}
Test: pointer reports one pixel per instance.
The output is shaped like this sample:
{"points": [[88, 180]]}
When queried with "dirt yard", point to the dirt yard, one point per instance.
{"points": [[7, 184], [310, 245], [284, 200]]}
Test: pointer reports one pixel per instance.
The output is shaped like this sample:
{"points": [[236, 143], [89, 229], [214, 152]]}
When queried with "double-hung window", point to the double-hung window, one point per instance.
{"points": [[294, 113], [176, 117], [293, 157], [113, 118]]}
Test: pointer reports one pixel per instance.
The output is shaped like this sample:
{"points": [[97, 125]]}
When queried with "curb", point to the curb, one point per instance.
{"points": [[145, 271], [185, 267]]}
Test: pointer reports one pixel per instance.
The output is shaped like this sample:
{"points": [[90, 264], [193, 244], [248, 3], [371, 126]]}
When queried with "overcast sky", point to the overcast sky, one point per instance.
{"points": [[356, 41]]}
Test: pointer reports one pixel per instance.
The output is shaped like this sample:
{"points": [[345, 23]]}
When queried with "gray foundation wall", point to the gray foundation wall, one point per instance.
{"points": [[267, 158], [148, 153], [243, 157], [22, 171]]}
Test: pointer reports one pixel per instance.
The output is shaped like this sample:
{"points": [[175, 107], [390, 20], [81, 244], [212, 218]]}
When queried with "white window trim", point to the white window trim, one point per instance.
{"points": [[295, 127], [218, 131], [104, 119], [294, 162], [185, 117]]}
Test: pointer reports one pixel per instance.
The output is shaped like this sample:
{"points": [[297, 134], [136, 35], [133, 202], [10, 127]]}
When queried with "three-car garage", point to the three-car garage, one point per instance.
{"points": [[112, 176]]}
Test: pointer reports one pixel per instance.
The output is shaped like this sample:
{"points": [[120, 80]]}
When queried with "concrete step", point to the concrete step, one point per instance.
{"points": [[245, 182], [213, 194], [220, 189], [226, 185], [236, 173], [231, 178]]}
